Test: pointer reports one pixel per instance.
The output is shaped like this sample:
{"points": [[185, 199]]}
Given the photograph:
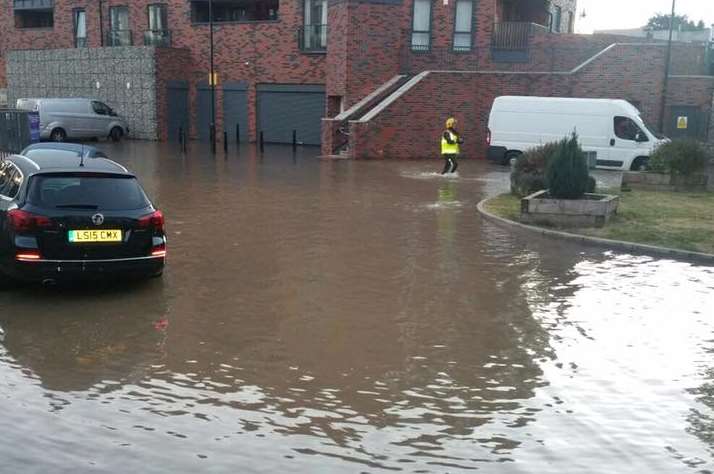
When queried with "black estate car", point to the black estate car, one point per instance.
{"points": [[64, 216]]}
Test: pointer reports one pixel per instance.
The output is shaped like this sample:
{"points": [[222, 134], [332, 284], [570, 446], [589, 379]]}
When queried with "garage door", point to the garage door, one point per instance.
{"points": [[235, 110], [203, 112], [177, 113], [284, 108]]}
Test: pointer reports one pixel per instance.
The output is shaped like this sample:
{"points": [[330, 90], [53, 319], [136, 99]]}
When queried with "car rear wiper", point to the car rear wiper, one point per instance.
{"points": [[77, 206]]}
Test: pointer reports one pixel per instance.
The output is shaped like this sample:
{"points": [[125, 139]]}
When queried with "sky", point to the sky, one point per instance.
{"points": [[618, 14]]}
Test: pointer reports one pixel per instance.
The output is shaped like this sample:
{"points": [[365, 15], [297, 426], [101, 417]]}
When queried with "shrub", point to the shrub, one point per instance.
{"points": [[679, 157], [528, 175], [566, 173]]}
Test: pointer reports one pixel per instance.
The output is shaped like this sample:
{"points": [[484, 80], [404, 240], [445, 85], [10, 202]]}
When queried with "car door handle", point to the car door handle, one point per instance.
{"points": [[612, 142]]}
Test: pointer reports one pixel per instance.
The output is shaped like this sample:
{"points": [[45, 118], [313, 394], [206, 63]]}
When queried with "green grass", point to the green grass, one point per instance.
{"points": [[682, 221]]}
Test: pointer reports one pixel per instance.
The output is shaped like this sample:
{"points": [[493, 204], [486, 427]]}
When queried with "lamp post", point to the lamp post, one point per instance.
{"points": [[668, 60], [212, 80]]}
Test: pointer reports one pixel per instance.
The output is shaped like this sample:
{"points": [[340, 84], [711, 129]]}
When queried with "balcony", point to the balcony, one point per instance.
{"points": [[313, 38], [511, 41], [119, 38], [158, 38]]}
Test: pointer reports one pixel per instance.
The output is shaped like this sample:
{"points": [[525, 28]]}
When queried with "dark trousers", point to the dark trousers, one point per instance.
{"points": [[450, 165]]}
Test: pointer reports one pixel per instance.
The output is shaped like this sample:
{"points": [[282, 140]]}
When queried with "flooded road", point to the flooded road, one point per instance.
{"points": [[348, 316]]}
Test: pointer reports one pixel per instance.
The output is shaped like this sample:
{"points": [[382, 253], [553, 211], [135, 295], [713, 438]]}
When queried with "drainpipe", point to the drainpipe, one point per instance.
{"points": [[667, 66], [212, 82], [101, 25]]}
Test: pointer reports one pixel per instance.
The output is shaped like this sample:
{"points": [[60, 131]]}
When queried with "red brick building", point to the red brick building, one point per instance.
{"points": [[381, 74]]}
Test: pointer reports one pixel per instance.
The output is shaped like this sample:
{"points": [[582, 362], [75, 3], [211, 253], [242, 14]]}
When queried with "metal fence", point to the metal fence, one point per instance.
{"points": [[18, 128], [119, 38], [313, 38], [512, 36], [159, 38]]}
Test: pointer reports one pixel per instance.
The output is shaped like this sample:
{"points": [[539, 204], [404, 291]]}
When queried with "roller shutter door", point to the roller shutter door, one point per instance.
{"points": [[177, 113], [203, 112], [235, 110], [284, 108]]}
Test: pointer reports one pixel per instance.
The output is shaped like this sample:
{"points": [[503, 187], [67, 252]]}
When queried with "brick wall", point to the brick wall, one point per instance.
{"points": [[410, 127], [261, 52], [171, 65]]}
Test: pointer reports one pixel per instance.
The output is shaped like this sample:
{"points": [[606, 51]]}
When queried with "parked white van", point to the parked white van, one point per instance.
{"points": [[61, 119], [611, 132]]}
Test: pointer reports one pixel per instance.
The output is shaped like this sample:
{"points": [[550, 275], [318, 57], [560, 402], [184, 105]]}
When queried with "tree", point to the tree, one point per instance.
{"points": [[661, 21]]}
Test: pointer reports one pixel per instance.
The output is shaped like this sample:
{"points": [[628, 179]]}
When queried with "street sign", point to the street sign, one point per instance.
{"points": [[682, 122]]}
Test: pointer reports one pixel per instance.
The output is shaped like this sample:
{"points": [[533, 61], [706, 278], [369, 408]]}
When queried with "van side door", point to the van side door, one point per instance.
{"points": [[627, 143]]}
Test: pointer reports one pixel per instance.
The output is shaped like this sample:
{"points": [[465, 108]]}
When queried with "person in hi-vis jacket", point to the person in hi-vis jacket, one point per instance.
{"points": [[450, 146]]}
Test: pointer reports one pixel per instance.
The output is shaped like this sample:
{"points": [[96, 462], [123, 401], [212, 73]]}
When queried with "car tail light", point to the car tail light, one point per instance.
{"points": [[28, 255], [154, 220], [23, 221], [488, 136], [159, 251]]}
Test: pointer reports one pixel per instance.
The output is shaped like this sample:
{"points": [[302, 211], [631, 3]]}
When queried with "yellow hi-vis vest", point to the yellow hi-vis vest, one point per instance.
{"points": [[448, 148]]}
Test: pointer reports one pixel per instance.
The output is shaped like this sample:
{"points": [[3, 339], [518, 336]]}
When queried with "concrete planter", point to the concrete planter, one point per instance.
{"points": [[594, 210], [665, 182]]}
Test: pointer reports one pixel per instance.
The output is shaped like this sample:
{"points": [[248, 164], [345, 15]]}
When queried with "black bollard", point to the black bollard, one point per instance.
{"points": [[183, 141], [237, 134], [225, 141], [262, 143], [294, 139], [180, 137]]}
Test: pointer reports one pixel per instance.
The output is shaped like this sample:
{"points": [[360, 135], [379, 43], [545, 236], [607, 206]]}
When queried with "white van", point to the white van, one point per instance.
{"points": [[61, 119], [611, 132]]}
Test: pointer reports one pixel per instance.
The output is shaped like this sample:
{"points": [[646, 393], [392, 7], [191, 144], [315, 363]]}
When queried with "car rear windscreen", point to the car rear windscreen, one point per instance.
{"points": [[86, 191], [50, 153]]}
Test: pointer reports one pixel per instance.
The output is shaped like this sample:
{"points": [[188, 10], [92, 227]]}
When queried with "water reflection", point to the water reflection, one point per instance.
{"points": [[343, 316]]}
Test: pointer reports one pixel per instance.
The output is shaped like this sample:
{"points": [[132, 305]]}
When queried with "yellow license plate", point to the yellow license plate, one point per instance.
{"points": [[87, 236]]}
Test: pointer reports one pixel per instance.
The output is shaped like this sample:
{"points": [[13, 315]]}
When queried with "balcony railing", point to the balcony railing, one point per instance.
{"points": [[511, 36], [33, 4], [313, 38], [159, 38], [119, 38]]}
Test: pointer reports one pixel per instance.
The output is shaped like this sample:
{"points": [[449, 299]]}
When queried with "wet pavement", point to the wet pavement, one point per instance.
{"points": [[346, 316]]}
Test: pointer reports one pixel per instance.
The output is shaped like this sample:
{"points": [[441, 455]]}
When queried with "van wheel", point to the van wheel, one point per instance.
{"points": [[58, 135], [511, 155], [116, 134], [640, 164]]}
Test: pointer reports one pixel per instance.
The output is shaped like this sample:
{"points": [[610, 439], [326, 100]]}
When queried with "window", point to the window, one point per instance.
{"points": [[557, 18], [235, 11], [80, 28], [34, 19], [463, 25], [119, 30], [421, 26], [106, 192], [100, 108], [571, 22], [315, 25], [158, 17], [627, 129], [158, 33]]}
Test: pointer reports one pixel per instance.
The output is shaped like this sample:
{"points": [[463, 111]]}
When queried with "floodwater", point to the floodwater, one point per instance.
{"points": [[345, 316]]}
